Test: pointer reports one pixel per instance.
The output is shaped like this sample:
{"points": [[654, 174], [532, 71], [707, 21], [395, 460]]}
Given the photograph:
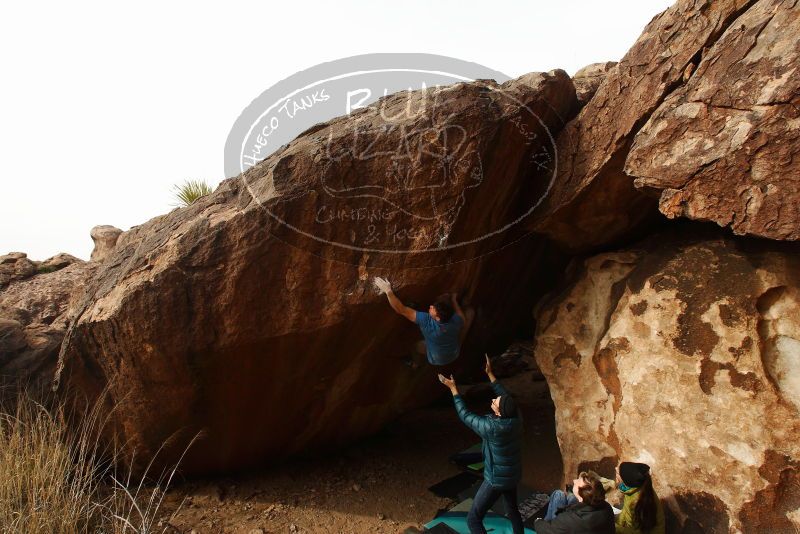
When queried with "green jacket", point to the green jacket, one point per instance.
{"points": [[626, 521], [502, 442]]}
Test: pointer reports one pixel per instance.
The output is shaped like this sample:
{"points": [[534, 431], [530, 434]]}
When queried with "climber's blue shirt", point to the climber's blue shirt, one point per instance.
{"points": [[441, 339]]}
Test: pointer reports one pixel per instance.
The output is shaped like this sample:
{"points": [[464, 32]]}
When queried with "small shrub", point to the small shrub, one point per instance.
{"points": [[46, 269], [190, 191]]}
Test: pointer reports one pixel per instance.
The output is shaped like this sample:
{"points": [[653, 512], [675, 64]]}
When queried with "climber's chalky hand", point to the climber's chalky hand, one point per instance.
{"points": [[382, 284]]}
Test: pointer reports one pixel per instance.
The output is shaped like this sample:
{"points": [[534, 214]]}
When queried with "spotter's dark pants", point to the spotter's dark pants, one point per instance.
{"points": [[484, 499]]}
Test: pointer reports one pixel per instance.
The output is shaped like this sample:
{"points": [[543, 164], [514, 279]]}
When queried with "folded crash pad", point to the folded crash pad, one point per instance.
{"points": [[470, 455], [451, 487]]}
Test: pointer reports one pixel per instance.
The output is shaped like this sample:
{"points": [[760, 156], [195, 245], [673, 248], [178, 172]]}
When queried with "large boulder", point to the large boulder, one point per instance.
{"points": [[701, 113], [589, 78], [725, 145], [105, 239], [34, 313], [684, 354], [57, 262], [250, 317], [15, 266]]}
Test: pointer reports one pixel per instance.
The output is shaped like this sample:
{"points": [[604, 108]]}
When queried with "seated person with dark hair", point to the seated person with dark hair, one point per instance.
{"points": [[590, 514]]}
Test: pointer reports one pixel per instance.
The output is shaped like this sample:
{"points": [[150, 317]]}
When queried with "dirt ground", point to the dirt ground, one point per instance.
{"points": [[377, 486]]}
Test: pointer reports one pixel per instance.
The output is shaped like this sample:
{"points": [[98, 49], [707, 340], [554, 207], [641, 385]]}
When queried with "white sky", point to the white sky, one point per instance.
{"points": [[104, 106]]}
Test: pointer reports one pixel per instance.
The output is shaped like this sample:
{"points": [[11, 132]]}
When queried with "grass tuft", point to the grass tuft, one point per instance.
{"points": [[57, 476]]}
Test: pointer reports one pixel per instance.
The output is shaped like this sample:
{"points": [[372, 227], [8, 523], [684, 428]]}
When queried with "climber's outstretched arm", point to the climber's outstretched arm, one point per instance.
{"points": [[401, 308], [384, 286]]}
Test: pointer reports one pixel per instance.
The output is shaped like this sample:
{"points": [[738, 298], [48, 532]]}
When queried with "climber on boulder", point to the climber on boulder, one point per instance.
{"points": [[443, 326]]}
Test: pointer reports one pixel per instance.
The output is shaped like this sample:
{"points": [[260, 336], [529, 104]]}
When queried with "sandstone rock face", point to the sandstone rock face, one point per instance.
{"points": [[250, 315], [589, 78], [105, 239], [725, 146], [59, 261], [684, 354], [691, 105], [15, 266], [34, 313]]}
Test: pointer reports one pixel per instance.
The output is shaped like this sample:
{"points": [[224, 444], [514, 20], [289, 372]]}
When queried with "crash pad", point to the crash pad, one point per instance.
{"points": [[450, 488], [496, 524]]}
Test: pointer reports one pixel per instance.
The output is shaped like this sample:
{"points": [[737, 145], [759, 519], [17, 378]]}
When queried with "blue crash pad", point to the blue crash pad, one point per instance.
{"points": [[494, 523]]}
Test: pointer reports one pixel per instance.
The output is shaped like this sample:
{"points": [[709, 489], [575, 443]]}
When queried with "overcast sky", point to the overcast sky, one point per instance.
{"points": [[104, 106]]}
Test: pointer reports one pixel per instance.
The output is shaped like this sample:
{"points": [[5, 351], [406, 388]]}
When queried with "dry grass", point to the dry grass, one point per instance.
{"points": [[57, 477]]}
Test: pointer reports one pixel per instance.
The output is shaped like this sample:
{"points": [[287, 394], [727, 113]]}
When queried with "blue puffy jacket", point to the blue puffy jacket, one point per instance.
{"points": [[502, 442]]}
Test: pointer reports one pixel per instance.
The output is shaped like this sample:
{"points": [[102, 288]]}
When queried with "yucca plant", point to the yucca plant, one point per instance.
{"points": [[190, 191]]}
